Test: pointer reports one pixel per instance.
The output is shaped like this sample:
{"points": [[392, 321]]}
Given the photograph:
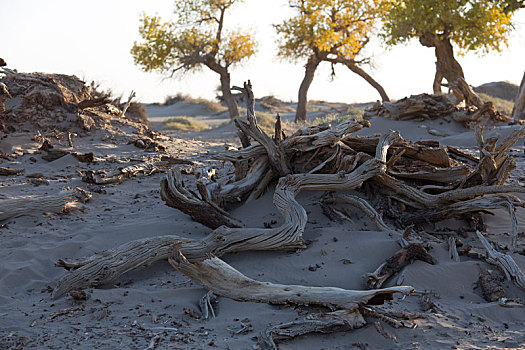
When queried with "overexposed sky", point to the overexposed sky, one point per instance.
{"points": [[92, 39]]}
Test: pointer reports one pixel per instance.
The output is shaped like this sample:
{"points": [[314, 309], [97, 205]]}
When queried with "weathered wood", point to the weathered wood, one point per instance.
{"points": [[329, 322], [426, 200], [434, 154], [206, 212], [505, 262], [396, 262], [490, 285], [439, 175], [415, 106], [108, 265], [26, 205], [8, 171], [101, 177], [479, 204], [276, 156], [221, 278], [225, 240]]}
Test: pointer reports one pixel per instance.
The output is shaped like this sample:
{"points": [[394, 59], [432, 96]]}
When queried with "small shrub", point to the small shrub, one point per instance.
{"points": [[210, 106], [503, 106], [184, 124]]}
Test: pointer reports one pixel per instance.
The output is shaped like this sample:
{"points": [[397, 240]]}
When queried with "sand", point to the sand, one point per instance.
{"points": [[157, 307]]}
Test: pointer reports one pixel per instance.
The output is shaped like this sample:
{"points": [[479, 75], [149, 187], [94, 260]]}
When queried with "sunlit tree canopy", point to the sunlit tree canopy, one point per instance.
{"points": [[329, 26], [471, 24], [195, 38]]}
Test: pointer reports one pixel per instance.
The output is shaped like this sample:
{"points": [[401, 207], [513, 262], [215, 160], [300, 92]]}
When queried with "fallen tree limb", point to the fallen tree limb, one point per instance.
{"points": [[25, 205], [505, 262], [276, 156], [8, 172], [225, 240], [207, 213], [329, 322], [102, 177], [394, 264], [219, 277], [490, 285]]}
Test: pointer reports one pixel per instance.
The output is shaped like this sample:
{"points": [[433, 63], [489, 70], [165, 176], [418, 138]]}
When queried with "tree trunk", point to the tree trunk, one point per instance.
{"points": [[438, 79], [311, 66], [227, 95], [519, 106], [449, 68], [357, 70]]}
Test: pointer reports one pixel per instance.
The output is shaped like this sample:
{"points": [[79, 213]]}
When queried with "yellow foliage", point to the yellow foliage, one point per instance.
{"points": [[196, 38], [339, 27], [471, 24]]}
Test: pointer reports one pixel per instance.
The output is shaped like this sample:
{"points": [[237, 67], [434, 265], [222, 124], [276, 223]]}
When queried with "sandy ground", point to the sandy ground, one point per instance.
{"points": [[156, 307]]}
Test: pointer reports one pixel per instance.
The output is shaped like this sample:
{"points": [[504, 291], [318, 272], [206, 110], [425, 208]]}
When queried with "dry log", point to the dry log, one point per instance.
{"points": [[490, 285], [415, 106], [431, 153], [365, 207], [306, 139], [25, 205], [336, 321], [505, 262], [126, 106], [221, 278], [174, 194], [235, 191], [495, 165], [396, 262], [110, 264], [102, 177], [440, 175], [421, 199], [484, 203], [225, 240], [54, 154], [275, 153], [8, 172], [426, 106], [452, 249]]}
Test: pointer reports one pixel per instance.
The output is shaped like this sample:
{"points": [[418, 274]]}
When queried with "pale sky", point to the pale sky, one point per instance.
{"points": [[92, 39]]}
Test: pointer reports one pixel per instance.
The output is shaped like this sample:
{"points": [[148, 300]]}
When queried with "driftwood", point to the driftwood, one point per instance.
{"points": [[219, 277], [430, 152], [206, 212], [329, 322], [505, 262], [490, 285], [26, 205], [101, 177], [276, 155], [426, 106], [224, 240], [394, 264], [8, 171]]}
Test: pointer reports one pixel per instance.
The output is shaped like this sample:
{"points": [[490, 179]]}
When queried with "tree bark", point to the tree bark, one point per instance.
{"points": [[227, 95], [519, 105], [357, 70], [311, 66]]}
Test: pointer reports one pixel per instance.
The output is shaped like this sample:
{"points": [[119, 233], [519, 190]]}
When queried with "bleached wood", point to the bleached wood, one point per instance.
{"points": [[328, 322], [221, 278], [54, 203], [225, 240], [505, 262]]}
